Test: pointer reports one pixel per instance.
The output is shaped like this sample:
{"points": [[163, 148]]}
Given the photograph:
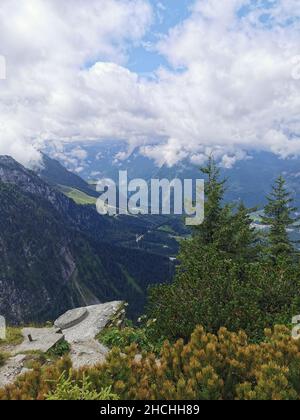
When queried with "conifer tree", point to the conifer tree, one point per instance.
{"points": [[242, 238], [227, 230], [279, 216], [214, 212]]}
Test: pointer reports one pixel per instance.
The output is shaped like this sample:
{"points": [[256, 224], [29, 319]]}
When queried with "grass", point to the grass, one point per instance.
{"points": [[13, 337], [78, 196], [2, 359]]}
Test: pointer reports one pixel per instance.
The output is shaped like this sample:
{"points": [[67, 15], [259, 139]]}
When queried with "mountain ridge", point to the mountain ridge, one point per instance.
{"points": [[50, 260], [54, 173]]}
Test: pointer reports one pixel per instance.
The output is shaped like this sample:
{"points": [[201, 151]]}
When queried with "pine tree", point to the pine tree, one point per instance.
{"points": [[214, 212], [279, 216], [241, 240], [227, 230]]}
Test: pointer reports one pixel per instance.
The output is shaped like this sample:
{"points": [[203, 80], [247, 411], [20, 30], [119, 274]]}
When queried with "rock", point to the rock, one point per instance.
{"points": [[78, 327], [87, 353], [85, 350], [71, 318], [43, 340], [12, 369], [99, 316]]}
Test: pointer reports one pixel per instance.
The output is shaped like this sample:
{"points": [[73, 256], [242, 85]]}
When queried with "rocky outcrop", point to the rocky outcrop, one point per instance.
{"points": [[80, 334], [78, 327]]}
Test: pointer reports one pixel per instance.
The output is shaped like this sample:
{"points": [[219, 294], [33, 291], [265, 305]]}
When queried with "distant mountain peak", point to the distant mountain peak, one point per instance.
{"points": [[9, 162], [53, 172]]}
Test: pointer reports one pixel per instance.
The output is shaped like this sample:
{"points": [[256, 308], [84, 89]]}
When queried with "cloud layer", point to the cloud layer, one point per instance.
{"points": [[232, 83]]}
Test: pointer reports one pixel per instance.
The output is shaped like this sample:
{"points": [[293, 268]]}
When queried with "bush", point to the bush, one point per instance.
{"points": [[216, 291], [67, 390], [224, 366], [62, 348], [114, 337]]}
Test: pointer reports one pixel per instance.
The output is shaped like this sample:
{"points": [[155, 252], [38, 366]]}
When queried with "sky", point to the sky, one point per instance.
{"points": [[177, 79]]}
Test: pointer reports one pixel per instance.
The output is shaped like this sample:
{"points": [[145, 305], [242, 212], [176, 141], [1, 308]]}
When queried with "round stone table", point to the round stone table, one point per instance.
{"points": [[71, 318]]}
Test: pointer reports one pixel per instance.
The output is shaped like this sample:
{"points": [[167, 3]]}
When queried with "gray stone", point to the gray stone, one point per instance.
{"points": [[98, 318], [79, 327], [12, 369], [87, 353], [85, 350], [43, 340], [71, 318]]}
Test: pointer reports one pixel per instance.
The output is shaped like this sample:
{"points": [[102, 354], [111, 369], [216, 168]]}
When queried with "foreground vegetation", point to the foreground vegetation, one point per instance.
{"points": [[13, 337], [225, 366]]}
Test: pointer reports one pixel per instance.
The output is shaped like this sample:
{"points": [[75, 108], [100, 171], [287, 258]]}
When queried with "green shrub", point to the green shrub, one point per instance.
{"points": [[62, 348], [114, 337], [68, 390], [216, 291]]}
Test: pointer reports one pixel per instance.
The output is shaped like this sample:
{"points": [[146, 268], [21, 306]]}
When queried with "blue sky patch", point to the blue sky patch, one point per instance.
{"points": [[168, 13]]}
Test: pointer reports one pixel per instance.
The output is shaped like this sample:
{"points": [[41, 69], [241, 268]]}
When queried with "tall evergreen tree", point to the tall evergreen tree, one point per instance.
{"points": [[214, 211], [227, 230], [279, 216], [239, 237]]}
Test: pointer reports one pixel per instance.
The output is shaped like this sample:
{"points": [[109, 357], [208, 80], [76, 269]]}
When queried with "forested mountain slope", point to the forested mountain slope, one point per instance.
{"points": [[55, 255]]}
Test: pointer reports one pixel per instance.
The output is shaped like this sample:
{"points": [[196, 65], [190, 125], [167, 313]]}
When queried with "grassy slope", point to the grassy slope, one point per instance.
{"points": [[78, 196]]}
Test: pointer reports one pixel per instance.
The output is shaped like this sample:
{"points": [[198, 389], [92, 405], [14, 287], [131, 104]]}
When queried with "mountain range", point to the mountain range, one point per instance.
{"points": [[56, 254], [249, 180]]}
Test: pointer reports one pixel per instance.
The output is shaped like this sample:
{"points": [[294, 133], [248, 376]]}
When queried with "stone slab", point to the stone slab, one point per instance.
{"points": [[98, 318], [43, 340], [84, 324], [85, 350], [71, 318]]}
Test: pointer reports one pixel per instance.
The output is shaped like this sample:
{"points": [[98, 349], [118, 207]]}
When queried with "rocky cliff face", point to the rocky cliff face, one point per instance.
{"points": [[55, 255]]}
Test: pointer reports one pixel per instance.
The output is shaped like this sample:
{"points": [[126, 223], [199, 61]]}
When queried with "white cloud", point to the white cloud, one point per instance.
{"points": [[48, 45], [79, 153], [229, 88], [236, 85], [169, 153]]}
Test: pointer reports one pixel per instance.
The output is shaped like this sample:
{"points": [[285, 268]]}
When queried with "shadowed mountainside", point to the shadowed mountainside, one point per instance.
{"points": [[56, 255]]}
